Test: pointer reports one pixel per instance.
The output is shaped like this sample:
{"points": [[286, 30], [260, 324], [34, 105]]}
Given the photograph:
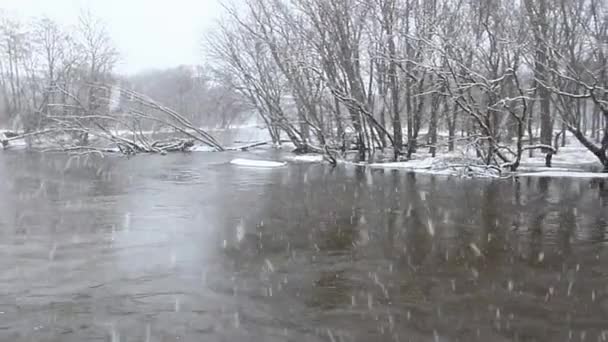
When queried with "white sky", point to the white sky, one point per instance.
{"points": [[148, 33]]}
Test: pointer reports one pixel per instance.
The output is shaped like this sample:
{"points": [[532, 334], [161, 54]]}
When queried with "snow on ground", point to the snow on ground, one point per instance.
{"points": [[529, 169], [422, 164], [264, 164], [572, 155], [405, 166], [13, 144], [565, 174], [447, 165], [16, 145], [306, 158], [573, 160]]}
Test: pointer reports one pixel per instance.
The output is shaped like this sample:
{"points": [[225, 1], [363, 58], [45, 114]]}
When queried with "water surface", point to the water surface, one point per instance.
{"points": [[187, 247]]}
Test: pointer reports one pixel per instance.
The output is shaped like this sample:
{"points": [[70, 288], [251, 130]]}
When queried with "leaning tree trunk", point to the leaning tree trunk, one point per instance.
{"points": [[599, 151]]}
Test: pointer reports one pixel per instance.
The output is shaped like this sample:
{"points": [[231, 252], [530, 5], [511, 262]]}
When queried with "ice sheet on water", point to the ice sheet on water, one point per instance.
{"points": [[264, 164], [306, 158], [202, 148]]}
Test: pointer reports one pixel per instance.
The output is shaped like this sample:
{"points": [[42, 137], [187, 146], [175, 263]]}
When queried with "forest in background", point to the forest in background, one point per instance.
{"points": [[501, 77], [60, 83]]}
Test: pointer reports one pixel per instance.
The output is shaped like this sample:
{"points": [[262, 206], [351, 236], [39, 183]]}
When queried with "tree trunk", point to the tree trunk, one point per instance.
{"points": [[338, 118], [451, 129], [433, 125], [388, 14], [593, 126]]}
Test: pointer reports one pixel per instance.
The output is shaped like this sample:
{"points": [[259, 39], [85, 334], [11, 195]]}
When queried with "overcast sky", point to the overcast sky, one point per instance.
{"points": [[148, 33]]}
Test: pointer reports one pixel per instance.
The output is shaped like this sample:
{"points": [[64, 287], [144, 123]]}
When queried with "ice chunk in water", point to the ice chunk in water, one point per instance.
{"points": [[257, 163]]}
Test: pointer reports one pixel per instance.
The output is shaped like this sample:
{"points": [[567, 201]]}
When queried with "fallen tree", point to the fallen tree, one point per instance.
{"points": [[109, 119]]}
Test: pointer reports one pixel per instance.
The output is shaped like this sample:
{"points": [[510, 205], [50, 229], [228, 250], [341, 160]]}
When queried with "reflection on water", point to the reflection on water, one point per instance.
{"points": [[188, 247]]}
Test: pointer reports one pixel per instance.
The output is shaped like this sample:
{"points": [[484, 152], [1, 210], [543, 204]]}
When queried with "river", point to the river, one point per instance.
{"points": [[187, 247]]}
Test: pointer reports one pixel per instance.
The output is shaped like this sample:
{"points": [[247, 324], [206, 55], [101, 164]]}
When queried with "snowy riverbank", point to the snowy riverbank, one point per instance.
{"points": [[571, 161]]}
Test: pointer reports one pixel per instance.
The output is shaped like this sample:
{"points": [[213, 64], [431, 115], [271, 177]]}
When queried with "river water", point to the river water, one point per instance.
{"points": [[187, 247]]}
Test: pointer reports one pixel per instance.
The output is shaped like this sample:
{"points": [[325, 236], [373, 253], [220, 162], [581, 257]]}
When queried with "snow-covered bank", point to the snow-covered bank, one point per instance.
{"points": [[572, 156], [253, 163], [19, 144], [446, 165], [14, 144], [573, 161], [564, 174], [435, 166], [412, 166]]}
